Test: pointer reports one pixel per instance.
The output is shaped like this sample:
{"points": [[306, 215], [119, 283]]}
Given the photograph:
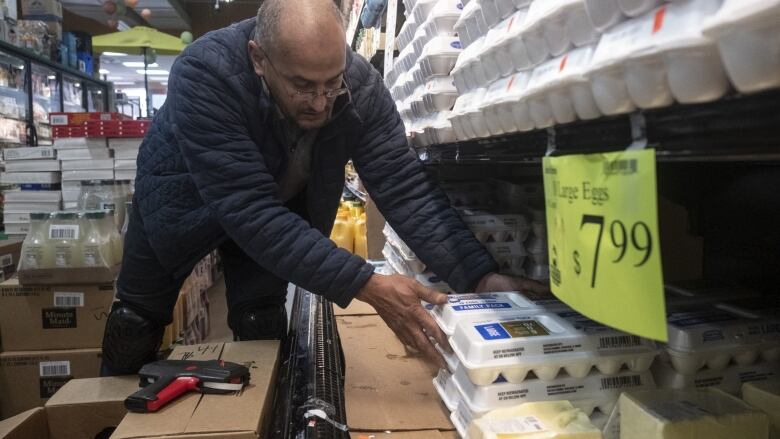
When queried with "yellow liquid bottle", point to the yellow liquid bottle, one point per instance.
{"points": [[343, 232], [361, 242]]}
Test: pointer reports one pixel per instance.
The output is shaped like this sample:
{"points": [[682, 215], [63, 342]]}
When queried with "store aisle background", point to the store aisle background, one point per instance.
{"points": [[220, 332]]}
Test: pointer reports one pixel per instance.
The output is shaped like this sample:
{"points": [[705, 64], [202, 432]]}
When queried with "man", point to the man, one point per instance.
{"points": [[247, 155]]}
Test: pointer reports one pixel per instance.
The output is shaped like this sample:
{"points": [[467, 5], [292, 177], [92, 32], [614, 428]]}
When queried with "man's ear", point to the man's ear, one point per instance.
{"points": [[258, 58]]}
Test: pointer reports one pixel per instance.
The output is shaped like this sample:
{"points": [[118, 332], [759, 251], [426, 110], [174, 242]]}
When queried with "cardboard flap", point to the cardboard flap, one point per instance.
{"points": [[94, 390], [386, 388], [239, 412], [27, 425]]}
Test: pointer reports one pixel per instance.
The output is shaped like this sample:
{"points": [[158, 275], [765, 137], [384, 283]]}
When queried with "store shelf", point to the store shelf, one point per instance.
{"points": [[736, 128]]}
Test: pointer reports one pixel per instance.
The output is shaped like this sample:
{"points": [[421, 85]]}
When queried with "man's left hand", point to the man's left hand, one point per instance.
{"points": [[493, 282]]}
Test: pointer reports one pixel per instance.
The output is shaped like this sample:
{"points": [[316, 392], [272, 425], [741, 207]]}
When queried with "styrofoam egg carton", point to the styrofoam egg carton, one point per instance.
{"points": [[475, 116], [729, 380], [418, 108], [490, 13], [404, 60], [396, 261], [545, 343], [563, 23], [681, 63], [459, 119], [536, 94], [507, 51], [501, 228], [419, 41], [440, 94], [463, 27], [439, 56], [406, 33], [712, 337], [422, 9], [693, 292], [765, 312], [633, 8], [432, 281], [603, 14], [443, 17], [747, 35], [579, 28], [594, 391], [463, 306], [442, 128], [412, 264], [512, 110], [493, 94], [488, 53], [446, 389]]}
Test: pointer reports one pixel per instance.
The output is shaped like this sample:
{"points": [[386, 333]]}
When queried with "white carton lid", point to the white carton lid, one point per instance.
{"points": [[496, 91], [442, 120], [477, 98], [693, 328], [442, 45], [432, 281], [543, 10], [487, 305], [544, 343], [736, 12], [440, 85], [596, 390], [446, 8]]}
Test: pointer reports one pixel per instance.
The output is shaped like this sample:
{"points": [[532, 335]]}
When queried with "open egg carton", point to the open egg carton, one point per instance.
{"points": [[729, 379], [594, 392], [716, 336], [545, 343], [460, 307]]}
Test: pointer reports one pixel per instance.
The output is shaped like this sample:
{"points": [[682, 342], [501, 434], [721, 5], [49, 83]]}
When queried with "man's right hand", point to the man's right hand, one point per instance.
{"points": [[397, 300]]}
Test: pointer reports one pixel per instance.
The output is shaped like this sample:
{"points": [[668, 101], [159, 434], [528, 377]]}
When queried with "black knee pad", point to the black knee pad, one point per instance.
{"points": [[130, 341], [267, 322]]}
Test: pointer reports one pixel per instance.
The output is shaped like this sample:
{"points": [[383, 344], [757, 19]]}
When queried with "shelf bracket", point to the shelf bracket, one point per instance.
{"points": [[638, 131]]}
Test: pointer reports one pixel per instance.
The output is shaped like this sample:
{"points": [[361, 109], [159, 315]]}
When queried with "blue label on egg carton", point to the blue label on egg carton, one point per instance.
{"points": [[480, 306]]}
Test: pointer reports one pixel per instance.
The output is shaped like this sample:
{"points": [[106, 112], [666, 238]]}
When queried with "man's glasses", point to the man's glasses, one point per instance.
{"points": [[310, 95]]}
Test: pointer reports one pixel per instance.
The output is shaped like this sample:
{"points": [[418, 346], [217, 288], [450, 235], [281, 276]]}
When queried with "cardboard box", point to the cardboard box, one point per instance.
{"points": [[234, 416], [29, 378], [69, 276], [85, 408], [28, 425], [42, 10], [386, 387], [53, 316], [10, 250]]}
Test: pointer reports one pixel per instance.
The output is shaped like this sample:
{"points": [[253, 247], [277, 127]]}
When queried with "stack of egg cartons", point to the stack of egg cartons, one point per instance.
{"points": [[83, 159], [717, 342], [510, 348], [401, 260], [34, 173], [420, 80]]}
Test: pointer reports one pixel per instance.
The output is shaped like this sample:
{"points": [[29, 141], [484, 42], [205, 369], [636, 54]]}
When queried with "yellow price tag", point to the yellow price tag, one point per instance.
{"points": [[602, 227]]}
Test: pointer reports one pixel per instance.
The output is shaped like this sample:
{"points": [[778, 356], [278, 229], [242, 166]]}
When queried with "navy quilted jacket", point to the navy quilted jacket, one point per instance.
{"points": [[208, 167]]}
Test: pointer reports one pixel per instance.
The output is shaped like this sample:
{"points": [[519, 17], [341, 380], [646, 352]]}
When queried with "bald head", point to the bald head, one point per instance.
{"points": [[289, 25]]}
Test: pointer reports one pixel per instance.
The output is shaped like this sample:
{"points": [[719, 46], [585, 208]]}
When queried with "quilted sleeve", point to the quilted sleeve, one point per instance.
{"points": [[231, 177], [411, 201]]}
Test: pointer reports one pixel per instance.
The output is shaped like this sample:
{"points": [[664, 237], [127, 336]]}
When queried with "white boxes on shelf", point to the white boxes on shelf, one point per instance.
{"points": [[30, 177], [443, 17], [28, 153], [729, 380], [439, 56], [83, 165], [51, 165], [545, 343], [603, 14], [747, 35]]}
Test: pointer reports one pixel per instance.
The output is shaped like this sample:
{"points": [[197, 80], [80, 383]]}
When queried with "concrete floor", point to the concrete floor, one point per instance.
{"points": [[219, 331]]}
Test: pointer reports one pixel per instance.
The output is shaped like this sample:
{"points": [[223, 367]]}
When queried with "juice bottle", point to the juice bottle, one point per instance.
{"points": [[361, 243], [343, 232], [96, 248], [64, 236], [34, 245]]}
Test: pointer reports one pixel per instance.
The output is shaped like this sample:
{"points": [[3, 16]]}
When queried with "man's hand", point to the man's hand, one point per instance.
{"points": [[397, 300], [493, 282]]}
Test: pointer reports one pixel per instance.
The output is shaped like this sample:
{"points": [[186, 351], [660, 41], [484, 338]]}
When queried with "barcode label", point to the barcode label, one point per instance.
{"points": [[621, 382], [63, 232], [68, 300], [107, 206], [6, 260], [59, 120], [47, 153], [619, 341], [54, 368], [626, 166]]}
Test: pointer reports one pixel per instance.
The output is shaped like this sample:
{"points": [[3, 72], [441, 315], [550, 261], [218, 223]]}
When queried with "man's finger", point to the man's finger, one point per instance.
{"points": [[536, 287], [426, 347], [431, 296], [432, 329]]}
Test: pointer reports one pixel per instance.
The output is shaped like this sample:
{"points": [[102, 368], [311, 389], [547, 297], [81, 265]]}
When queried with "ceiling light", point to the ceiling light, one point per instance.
{"points": [[104, 72], [114, 54], [52, 77], [138, 64], [115, 78], [158, 78], [152, 72], [124, 83]]}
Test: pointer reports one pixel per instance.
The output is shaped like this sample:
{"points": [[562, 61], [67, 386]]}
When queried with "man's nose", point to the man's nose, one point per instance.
{"points": [[319, 103]]}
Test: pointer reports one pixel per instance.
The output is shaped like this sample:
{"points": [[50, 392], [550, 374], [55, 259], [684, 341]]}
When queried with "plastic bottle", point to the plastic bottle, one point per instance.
{"points": [[112, 234], [91, 194], [126, 224], [65, 236], [343, 232], [34, 245], [361, 243], [96, 249]]}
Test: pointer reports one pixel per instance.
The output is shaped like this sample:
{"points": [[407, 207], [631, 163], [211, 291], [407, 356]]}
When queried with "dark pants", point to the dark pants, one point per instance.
{"points": [[152, 290]]}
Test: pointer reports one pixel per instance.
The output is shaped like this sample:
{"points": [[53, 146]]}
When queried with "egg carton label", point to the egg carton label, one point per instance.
{"points": [[512, 329], [563, 389], [621, 382], [687, 320], [512, 395], [479, 306], [764, 328], [676, 411], [560, 348]]}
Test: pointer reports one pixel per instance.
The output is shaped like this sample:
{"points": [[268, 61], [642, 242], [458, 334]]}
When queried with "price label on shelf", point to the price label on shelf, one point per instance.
{"points": [[602, 226]]}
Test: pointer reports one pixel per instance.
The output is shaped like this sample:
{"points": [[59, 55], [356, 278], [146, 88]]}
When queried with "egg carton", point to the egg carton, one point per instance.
{"points": [[443, 17], [492, 228], [555, 26], [396, 262], [545, 343], [441, 130], [538, 272], [508, 107], [657, 58], [421, 10], [507, 52], [701, 292], [439, 56], [746, 32], [593, 392], [729, 379], [471, 25], [715, 337], [537, 250], [486, 305], [603, 14], [440, 94], [432, 281]]}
